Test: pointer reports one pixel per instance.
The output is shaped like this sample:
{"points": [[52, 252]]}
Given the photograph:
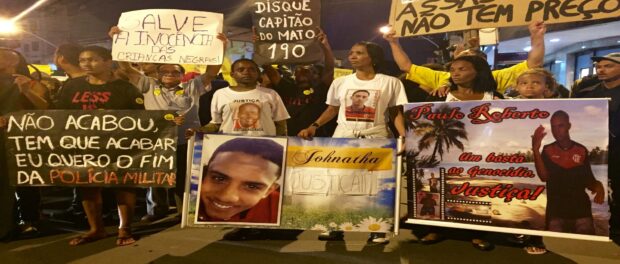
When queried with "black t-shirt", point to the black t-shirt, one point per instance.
{"points": [[569, 175], [599, 91], [304, 106], [118, 94]]}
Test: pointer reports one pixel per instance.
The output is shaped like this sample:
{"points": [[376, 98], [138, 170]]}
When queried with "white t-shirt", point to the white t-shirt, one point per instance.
{"points": [[364, 103], [488, 96], [183, 100], [250, 113]]}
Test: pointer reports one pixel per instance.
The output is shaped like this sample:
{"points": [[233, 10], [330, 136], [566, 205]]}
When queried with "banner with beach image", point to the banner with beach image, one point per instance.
{"points": [[327, 184], [515, 166]]}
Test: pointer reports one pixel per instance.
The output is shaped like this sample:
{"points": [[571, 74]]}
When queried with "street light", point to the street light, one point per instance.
{"points": [[7, 26]]}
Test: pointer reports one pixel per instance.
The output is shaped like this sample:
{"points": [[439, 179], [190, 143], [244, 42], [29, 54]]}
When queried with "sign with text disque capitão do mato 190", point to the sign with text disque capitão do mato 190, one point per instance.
{"points": [[286, 31]]}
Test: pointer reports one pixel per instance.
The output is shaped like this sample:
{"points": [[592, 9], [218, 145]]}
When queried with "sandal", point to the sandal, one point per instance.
{"points": [[125, 237], [482, 244], [85, 239], [431, 238], [535, 250]]}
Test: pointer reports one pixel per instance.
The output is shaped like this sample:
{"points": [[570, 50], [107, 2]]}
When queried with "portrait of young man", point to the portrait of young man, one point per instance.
{"points": [[240, 183], [360, 106]]}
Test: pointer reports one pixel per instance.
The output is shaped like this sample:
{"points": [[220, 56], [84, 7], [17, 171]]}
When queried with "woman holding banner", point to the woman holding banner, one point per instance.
{"points": [[470, 79], [350, 97]]}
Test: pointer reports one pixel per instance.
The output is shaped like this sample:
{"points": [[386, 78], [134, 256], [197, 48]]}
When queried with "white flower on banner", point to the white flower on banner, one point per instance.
{"points": [[319, 227], [333, 225], [348, 226], [374, 225]]}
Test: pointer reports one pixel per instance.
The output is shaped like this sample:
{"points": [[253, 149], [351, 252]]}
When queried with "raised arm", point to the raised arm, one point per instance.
{"points": [[132, 73], [400, 57], [33, 90], [328, 71], [212, 70], [536, 55]]}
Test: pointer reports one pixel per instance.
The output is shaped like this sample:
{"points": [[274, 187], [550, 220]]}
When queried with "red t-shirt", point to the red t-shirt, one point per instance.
{"points": [[265, 211]]}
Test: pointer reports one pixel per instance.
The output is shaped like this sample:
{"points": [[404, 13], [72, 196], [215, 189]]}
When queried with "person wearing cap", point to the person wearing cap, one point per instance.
{"points": [[608, 86]]}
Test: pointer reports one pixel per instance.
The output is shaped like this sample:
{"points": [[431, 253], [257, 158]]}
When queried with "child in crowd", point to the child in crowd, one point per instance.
{"points": [[534, 84]]}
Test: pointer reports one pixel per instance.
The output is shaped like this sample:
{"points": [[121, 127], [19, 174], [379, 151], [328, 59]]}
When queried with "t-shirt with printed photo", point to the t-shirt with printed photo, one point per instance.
{"points": [[247, 117], [250, 113], [361, 105], [349, 93]]}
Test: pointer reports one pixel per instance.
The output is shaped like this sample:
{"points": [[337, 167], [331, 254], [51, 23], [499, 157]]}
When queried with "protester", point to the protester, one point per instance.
{"points": [[504, 78], [367, 59], [304, 96], [97, 63], [226, 112], [17, 92], [533, 84], [607, 85], [166, 92], [67, 58], [227, 102], [470, 79]]}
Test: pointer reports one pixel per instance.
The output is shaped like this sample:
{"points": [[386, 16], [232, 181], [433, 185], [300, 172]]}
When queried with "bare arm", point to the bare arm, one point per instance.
{"points": [[272, 74], [213, 70], [399, 122], [326, 116], [400, 57], [536, 55], [328, 72], [281, 129], [541, 170], [33, 91], [125, 67]]}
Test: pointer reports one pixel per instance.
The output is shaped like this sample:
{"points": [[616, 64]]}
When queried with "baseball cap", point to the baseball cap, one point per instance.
{"points": [[614, 56]]}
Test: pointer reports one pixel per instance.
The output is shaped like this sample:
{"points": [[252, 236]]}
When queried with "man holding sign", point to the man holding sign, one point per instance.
{"points": [[100, 89], [169, 36], [168, 93]]}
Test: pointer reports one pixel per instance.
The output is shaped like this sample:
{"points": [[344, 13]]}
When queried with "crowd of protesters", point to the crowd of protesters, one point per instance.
{"points": [[268, 101]]}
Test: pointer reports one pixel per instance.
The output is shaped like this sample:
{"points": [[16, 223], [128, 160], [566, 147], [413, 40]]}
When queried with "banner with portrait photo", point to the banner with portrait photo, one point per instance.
{"points": [[516, 166], [327, 184], [236, 180]]}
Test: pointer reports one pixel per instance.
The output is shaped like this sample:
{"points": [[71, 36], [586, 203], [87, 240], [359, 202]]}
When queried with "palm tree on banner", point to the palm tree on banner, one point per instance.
{"points": [[442, 133]]}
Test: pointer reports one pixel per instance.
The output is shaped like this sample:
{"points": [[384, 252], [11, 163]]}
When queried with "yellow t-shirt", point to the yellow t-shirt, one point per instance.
{"points": [[434, 79]]}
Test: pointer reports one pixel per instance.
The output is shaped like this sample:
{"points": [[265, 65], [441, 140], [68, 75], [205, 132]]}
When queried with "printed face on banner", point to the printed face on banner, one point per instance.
{"points": [[361, 105], [241, 182], [528, 164], [247, 117]]}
